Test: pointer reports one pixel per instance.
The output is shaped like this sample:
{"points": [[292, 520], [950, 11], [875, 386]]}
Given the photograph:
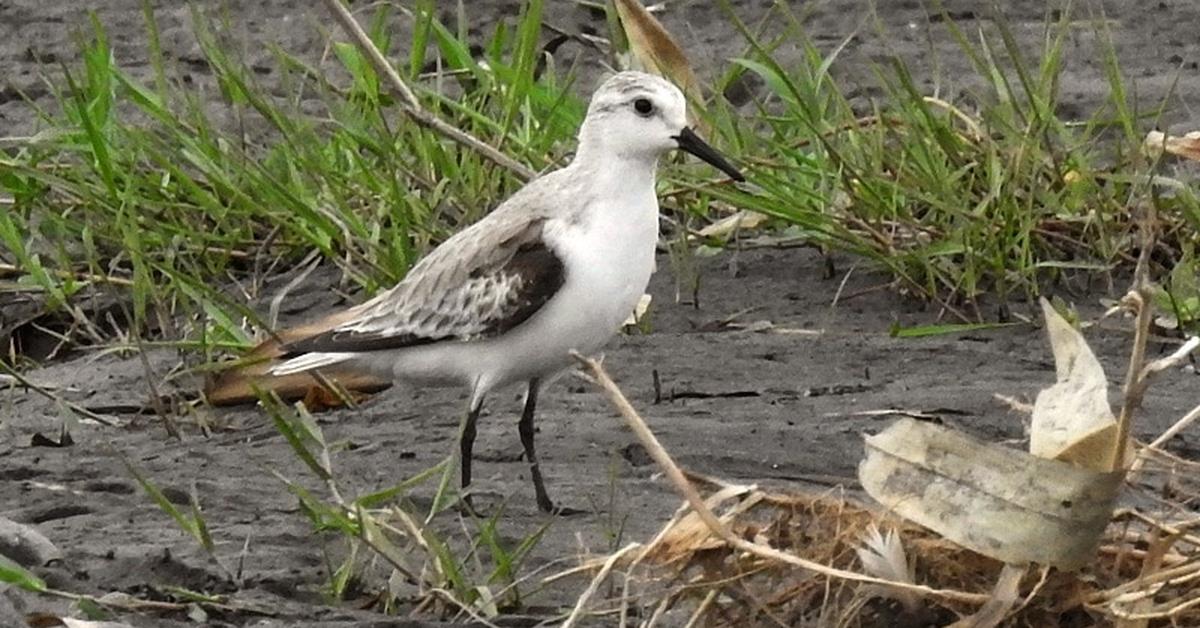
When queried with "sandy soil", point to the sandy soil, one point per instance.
{"points": [[778, 403]]}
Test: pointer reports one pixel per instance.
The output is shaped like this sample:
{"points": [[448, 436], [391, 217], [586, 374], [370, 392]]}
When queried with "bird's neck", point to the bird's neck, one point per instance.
{"points": [[605, 155], [613, 170], [618, 197]]}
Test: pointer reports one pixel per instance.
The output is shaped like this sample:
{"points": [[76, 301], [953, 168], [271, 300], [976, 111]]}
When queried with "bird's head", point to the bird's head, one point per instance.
{"points": [[641, 115]]}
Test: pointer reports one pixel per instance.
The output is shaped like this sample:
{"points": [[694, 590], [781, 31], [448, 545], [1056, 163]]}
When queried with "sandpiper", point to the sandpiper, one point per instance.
{"points": [[556, 268]]}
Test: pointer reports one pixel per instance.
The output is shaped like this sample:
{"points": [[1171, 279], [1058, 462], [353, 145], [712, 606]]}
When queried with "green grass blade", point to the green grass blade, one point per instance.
{"points": [[299, 431], [184, 522], [378, 498], [925, 331], [12, 573]]}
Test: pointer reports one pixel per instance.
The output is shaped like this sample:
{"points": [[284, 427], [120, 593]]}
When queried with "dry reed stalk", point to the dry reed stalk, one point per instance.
{"points": [[408, 100], [595, 373]]}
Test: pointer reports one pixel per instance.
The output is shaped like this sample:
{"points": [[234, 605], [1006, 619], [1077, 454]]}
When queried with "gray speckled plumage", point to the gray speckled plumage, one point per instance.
{"points": [[480, 282], [451, 297], [554, 270]]}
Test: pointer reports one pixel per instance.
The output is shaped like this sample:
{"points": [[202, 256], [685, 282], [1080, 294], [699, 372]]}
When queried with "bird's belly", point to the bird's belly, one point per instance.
{"points": [[590, 312]]}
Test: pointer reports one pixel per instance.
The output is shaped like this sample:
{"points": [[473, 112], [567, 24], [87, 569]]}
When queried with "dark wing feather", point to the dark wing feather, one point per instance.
{"points": [[503, 283]]}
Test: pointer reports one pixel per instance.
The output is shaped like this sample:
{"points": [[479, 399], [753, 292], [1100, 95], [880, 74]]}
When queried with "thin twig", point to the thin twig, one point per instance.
{"points": [[7, 380], [1175, 429], [1173, 360], [155, 396], [1139, 299], [851, 125], [1186, 420], [128, 602], [594, 585], [976, 132], [277, 300], [1166, 577], [698, 614], [1037, 587], [11, 269], [409, 103], [71, 405]]}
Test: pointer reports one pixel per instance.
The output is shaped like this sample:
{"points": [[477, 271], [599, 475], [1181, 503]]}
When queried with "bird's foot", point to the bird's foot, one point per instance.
{"points": [[567, 511], [558, 510]]}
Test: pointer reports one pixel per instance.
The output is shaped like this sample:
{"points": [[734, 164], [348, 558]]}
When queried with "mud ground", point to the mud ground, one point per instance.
{"points": [[1155, 42], [778, 397]]}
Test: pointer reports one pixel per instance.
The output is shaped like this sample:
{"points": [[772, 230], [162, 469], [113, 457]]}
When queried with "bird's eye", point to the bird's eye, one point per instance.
{"points": [[643, 106]]}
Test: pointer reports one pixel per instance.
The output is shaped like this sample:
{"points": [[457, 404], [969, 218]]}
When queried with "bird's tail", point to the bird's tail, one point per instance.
{"points": [[263, 369]]}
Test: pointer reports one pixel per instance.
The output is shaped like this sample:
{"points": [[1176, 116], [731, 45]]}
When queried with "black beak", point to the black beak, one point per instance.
{"points": [[689, 141]]}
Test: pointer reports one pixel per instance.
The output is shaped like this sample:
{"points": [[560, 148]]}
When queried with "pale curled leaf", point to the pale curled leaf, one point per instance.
{"points": [[639, 311], [1186, 145], [1072, 420], [997, 501], [742, 220], [655, 50]]}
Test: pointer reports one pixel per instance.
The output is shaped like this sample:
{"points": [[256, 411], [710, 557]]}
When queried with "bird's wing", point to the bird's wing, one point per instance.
{"points": [[480, 283]]}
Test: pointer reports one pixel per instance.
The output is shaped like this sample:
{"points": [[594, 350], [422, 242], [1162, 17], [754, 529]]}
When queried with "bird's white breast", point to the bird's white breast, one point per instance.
{"points": [[608, 265], [608, 255]]}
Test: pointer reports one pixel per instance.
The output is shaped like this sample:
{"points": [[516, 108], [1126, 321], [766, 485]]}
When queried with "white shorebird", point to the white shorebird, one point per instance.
{"points": [[556, 268]]}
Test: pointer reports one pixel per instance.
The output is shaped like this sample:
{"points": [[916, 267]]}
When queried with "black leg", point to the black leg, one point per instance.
{"points": [[525, 427], [466, 445]]}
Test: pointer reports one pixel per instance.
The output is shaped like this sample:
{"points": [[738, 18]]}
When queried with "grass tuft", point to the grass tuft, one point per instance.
{"points": [[139, 192]]}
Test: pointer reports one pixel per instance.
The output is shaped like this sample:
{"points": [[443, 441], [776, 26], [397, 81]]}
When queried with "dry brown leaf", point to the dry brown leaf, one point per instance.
{"points": [[1072, 420], [656, 51], [319, 398], [1186, 145], [1000, 502]]}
